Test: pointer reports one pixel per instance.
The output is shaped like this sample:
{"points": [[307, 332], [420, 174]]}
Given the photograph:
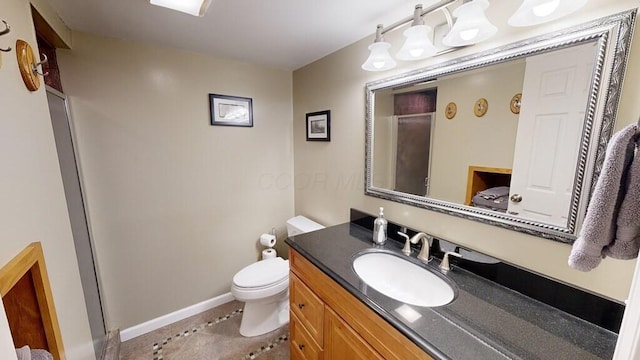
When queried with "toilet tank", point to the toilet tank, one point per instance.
{"points": [[300, 225]]}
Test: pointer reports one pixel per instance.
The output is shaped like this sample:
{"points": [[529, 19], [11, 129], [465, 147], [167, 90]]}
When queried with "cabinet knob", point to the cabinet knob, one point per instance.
{"points": [[301, 305], [301, 346]]}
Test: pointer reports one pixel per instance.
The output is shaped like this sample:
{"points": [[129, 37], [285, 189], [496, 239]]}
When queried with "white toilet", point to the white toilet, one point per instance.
{"points": [[264, 287]]}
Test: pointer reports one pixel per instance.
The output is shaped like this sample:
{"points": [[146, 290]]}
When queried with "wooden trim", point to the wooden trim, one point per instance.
{"points": [[46, 31], [30, 262], [476, 181], [381, 335]]}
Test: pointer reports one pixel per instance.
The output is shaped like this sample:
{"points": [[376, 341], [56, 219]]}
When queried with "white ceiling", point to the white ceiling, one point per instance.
{"points": [[286, 34]]}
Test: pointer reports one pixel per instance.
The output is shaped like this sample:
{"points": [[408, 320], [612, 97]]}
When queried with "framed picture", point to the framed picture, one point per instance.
{"points": [[231, 110], [319, 126]]}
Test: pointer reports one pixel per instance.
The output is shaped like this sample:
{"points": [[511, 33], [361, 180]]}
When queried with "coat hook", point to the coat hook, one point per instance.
{"points": [[35, 66], [6, 30]]}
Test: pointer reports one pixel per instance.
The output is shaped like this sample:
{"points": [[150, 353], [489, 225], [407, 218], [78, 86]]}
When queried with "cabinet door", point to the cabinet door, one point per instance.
{"points": [[307, 306], [302, 347], [341, 342]]}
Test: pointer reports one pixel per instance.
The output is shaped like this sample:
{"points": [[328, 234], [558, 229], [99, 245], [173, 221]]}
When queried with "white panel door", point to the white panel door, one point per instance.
{"points": [[554, 101]]}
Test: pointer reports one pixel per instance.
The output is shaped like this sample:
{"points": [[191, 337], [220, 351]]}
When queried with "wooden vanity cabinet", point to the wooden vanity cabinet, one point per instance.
{"points": [[329, 323], [342, 342], [307, 307], [303, 347]]}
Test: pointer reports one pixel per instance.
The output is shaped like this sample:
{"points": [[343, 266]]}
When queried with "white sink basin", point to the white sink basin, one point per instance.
{"points": [[402, 280]]}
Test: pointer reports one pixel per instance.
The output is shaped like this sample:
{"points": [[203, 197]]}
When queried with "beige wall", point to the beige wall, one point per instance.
{"points": [[33, 206], [384, 141], [330, 175], [177, 206]]}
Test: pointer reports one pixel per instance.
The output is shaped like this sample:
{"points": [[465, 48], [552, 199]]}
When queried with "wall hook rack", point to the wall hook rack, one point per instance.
{"points": [[36, 65], [7, 29], [28, 65]]}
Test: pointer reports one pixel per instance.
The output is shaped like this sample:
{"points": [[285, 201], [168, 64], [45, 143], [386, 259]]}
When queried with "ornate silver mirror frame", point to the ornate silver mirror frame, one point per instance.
{"points": [[612, 36]]}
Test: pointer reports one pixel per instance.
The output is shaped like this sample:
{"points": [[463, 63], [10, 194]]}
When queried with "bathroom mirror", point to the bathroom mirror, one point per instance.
{"points": [[513, 137]]}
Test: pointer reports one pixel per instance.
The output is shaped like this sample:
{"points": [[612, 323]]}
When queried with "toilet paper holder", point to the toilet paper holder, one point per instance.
{"points": [[268, 240]]}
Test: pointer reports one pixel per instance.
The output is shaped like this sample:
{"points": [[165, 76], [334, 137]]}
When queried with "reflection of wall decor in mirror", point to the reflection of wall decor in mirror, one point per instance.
{"points": [[451, 110], [514, 105], [480, 107], [231, 110], [553, 199], [319, 126]]}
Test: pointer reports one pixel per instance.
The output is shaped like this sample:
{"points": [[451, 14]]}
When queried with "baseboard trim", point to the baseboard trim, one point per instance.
{"points": [[170, 318]]}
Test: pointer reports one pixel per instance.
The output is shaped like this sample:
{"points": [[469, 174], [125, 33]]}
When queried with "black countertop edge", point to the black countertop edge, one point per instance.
{"points": [[414, 337], [595, 309]]}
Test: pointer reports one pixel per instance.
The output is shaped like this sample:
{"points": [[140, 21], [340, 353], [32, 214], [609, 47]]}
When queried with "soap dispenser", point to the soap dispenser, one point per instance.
{"points": [[380, 229]]}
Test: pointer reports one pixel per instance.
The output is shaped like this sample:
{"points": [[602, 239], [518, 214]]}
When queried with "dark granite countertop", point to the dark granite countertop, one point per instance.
{"points": [[485, 320]]}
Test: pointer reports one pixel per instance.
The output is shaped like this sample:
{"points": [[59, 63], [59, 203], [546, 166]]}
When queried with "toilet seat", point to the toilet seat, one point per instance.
{"points": [[261, 279], [262, 273], [246, 294]]}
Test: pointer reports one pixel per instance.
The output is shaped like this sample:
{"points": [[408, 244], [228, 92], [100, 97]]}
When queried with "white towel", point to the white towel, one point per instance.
{"points": [[599, 226]]}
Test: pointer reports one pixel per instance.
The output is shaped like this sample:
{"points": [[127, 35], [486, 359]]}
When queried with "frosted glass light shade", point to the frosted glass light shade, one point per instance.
{"points": [[192, 7], [534, 12], [418, 44], [471, 26], [379, 59]]}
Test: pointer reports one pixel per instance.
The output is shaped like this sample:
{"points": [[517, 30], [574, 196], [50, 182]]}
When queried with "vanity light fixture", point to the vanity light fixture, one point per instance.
{"points": [[191, 7], [471, 27], [534, 12]]}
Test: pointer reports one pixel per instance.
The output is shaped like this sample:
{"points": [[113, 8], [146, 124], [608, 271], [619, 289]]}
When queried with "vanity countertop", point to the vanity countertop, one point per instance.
{"points": [[485, 321]]}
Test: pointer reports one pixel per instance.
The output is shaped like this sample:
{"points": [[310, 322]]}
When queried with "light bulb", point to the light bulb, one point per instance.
{"points": [[418, 43], [379, 58], [546, 9], [416, 52], [469, 34]]}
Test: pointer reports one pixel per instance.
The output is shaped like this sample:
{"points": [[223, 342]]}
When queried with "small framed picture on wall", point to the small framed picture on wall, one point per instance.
{"points": [[231, 110], [319, 126]]}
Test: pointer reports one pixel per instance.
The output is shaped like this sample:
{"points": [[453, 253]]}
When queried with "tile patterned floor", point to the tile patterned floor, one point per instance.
{"points": [[211, 335]]}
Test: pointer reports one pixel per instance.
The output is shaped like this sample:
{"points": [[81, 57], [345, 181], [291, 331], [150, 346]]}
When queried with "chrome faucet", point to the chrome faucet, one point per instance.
{"points": [[444, 265], [424, 251], [407, 244]]}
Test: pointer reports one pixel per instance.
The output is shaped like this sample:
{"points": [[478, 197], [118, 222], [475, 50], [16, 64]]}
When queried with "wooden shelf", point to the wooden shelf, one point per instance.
{"points": [[482, 178]]}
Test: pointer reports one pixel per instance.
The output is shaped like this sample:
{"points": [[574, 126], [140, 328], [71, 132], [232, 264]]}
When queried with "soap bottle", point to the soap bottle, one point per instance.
{"points": [[380, 229]]}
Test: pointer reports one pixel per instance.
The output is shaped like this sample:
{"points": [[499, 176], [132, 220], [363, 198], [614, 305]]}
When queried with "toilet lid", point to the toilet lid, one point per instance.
{"points": [[262, 273]]}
